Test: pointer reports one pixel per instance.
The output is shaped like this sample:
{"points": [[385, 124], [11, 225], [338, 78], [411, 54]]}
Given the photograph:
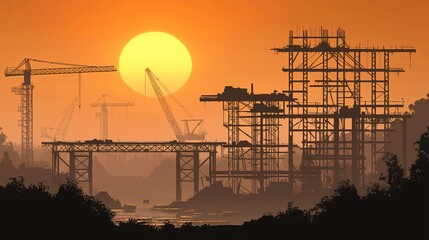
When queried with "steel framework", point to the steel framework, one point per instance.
{"points": [[104, 104], [25, 91], [252, 121], [188, 159], [346, 110]]}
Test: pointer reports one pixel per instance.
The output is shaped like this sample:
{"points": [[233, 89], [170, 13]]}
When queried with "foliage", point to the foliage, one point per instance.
{"points": [[400, 209], [397, 209], [42, 213]]}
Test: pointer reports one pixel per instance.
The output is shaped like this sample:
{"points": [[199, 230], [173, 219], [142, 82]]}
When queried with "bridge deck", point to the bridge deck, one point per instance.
{"points": [[110, 146]]}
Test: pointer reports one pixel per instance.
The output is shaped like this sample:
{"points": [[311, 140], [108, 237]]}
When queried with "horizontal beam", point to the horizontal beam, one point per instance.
{"points": [[298, 48], [102, 146], [343, 70], [324, 116], [259, 174]]}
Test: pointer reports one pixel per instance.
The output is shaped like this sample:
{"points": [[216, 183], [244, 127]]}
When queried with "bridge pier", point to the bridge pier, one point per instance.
{"points": [[80, 168], [187, 170]]}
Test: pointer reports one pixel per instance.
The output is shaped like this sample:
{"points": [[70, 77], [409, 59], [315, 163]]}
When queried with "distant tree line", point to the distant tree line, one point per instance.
{"points": [[395, 208]]}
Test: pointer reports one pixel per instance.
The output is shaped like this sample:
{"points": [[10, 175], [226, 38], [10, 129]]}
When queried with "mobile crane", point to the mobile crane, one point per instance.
{"points": [[192, 127]]}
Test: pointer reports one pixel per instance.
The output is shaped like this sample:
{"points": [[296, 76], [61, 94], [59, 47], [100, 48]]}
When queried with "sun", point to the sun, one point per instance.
{"points": [[166, 56]]}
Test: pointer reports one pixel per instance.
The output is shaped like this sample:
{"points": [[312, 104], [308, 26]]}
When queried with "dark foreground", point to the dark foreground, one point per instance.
{"points": [[395, 209]]}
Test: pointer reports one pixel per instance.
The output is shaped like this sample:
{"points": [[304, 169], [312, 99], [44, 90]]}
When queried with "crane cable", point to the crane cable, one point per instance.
{"points": [[174, 98]]}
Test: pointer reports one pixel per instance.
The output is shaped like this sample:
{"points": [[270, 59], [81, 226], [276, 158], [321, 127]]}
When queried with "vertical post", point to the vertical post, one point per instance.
{"points": [[290, 156], [261, 155], [178, 178], [72, 166], [79, 99], [305, 133], [373, 107], [212, 166], [291, 120], [355, 156], [196, 171], [90, 173], [362, 161], [336, 148], [253, 154], [54, 162]]}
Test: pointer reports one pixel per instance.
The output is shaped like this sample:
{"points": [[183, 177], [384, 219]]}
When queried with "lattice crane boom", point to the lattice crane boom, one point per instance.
{"points": [[165, 107], [74, 68], [63, 125]]}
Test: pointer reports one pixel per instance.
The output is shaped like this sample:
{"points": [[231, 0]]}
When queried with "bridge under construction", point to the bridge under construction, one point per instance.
{"points": [[77, 157]]}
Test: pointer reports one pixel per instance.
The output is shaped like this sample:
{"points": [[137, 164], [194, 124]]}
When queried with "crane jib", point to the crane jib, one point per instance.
{"points": [[70, 70]]}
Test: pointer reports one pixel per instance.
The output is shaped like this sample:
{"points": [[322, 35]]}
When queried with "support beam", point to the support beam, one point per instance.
{"points": [[196, 171], [336, 149], [178, 178]]}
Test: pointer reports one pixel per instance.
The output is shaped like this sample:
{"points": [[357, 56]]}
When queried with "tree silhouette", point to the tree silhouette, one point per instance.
{"points": [[399, 208], [69, 213]]}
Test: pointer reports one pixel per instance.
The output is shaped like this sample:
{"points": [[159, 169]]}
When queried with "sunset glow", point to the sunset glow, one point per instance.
{"points": [[164, 54], [193, 119]]}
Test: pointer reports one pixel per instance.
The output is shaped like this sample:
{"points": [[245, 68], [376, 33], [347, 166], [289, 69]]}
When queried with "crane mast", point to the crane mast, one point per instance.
{"points": [[104, 104], [165, 107], [25, 91]]}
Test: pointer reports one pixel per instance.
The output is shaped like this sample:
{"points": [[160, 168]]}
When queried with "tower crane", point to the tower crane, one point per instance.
{"points": [[25, 91], [190, 132], [63, 125], [104, 104]]}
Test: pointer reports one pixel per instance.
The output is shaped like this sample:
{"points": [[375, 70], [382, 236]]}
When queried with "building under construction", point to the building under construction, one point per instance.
{"points": [[253, 143], [337, 108]]}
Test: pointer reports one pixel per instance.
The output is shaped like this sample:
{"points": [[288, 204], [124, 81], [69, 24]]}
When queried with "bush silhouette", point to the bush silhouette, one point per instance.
{"points": [[396, 208], [68, 213]]}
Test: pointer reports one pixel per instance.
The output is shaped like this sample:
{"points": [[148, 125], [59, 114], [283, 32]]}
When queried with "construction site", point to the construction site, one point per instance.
{"points": [[332, 123]]}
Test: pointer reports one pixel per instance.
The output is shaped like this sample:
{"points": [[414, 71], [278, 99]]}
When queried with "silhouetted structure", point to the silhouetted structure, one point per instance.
{"points": [[252, 121], [192, 127], [188, 161], [63, 125], [354, 100], [104, 104], [349, 100], [26, 93], [398, 209]]}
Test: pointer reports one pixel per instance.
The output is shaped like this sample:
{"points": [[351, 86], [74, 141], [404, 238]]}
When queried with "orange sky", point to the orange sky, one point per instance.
{"points": [[229, 42]]}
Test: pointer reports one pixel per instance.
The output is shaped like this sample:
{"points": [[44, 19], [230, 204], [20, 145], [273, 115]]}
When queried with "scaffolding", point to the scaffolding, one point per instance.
{"points": [[343, 110], [253, 147]]}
